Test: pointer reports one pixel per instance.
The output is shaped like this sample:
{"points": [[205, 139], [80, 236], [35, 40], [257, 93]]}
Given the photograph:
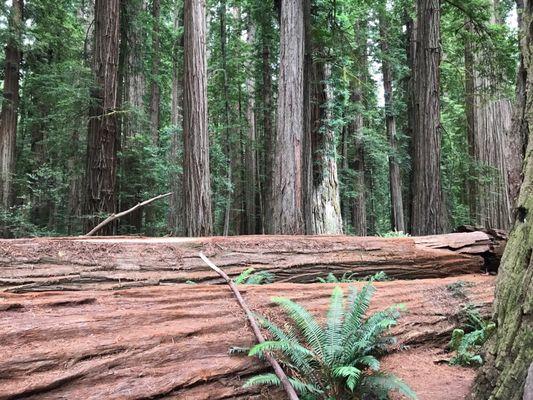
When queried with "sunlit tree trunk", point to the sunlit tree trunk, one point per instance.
{"points": [[287, 196], [488, 114], [196, 175], [10, 103], [100, 176], [428, 214], [509, 353]]}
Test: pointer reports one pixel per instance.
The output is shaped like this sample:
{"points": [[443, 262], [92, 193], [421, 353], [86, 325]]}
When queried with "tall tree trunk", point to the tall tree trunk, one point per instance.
{"points": [[250, 150], [359, 220], [509, 353], [428, 214], [411, 32], [225, 91], [395, 181], [287, 199], [196, 176], [517, 135], [175, 217], [102, 135], [268, 132], [326, 215], [488, 119], [155, 96], [10, 103]]}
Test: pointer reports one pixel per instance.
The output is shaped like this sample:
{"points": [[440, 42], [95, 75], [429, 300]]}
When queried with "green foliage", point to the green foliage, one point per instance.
{"points": [[467, 342], [354, 277], [250, 277], [336, 360]]}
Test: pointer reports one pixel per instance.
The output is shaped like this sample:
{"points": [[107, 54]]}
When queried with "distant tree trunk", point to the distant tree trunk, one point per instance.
{"points": [[395, 181], [488, 121], [225, 93], [196, 176], [428, 214], [287, 199], [356, 128], [250, 150], [10, 103], [155, 95], [411, 33], [268, 134], [175, 218], [509, 353], [517, 135], [100, 176], [326, 217]]}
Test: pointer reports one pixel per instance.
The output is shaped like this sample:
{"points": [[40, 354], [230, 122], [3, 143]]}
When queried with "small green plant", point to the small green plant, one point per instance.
{"points": [[249, 277], [337, 360], [393, 234], [459, 289], [353, 277], [467, 345]]}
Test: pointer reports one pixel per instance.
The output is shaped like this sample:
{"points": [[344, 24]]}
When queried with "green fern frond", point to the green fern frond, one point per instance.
{"points": [[306, 324], [333, 332], [381, 384], [350, 373], [243, 276], [368, 361], [263, 379]]}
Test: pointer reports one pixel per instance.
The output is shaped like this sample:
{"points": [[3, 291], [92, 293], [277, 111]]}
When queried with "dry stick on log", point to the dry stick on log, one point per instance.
{"points": [[113, 216], [255, 327]]}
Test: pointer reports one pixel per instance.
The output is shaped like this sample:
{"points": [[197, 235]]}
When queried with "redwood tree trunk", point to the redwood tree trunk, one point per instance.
{"points": [[175, 217], [10, 103], [102, 134], [250, 160], [326, 215], [428, 214], [395, 182], [196, 176], [155, 96], [287, 178], [488, 120], [509, 353]]}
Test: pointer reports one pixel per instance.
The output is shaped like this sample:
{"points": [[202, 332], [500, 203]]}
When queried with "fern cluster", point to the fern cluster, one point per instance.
{"points": [[250, 277], [467, 345], [354, 277], [335, 361]]}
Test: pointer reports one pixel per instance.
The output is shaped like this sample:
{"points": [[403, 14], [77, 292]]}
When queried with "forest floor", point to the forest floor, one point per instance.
{"points": [[426, 372]]}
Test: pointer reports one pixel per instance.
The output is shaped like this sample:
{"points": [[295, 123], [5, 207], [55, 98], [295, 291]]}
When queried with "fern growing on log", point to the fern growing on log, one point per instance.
{"points": [[338, 360]]}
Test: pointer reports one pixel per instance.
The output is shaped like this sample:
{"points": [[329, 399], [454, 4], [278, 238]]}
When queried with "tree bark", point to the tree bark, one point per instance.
{"points": [[287, 195], [196, 176], [428, 214], [155, 95], [395, 181], [176, 216], [509, 353], [104, 344], [325, 210], [250, 189], [121, 262], [359, 220], [488, 120], [10, 103], [100, 175]]}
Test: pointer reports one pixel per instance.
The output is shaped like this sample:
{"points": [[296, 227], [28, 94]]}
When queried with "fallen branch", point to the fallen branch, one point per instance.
{"points": [[114, 216], [255, 327]]}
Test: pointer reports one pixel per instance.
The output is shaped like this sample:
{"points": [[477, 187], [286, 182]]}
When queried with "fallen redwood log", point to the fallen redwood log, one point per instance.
{"points": [[119, 262], [173, 342]]}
